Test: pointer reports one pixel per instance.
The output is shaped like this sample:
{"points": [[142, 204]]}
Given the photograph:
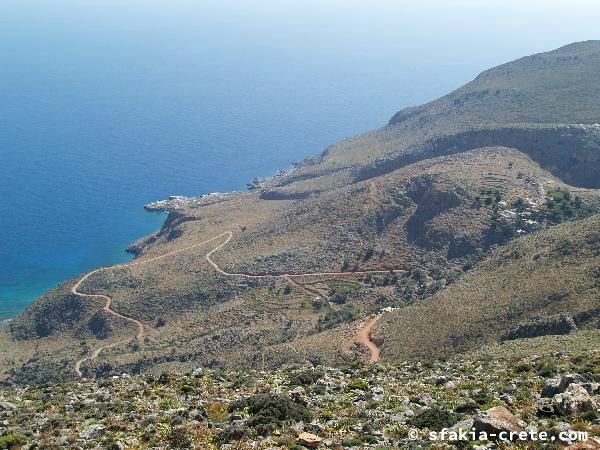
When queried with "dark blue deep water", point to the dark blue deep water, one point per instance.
{"points": [[107, 105]]}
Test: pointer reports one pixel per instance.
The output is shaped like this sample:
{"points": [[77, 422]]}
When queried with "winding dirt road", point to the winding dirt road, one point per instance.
{"points": [[108, 300], [363, 335]]}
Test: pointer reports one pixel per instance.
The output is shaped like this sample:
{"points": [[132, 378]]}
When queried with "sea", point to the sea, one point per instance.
{"points": [[108, 105]]}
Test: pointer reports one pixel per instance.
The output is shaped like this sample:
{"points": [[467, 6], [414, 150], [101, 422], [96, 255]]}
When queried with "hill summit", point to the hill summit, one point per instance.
{"points": [[561, 86]]}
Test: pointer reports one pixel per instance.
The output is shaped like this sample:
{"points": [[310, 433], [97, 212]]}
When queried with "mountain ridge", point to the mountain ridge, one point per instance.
{"points": [[526, 100]]}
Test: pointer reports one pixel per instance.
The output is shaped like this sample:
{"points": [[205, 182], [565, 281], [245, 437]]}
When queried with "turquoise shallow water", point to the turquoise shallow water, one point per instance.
{"points": [[105, 106]]}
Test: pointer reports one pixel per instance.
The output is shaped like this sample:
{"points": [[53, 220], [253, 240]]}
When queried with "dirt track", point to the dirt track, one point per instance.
{"points": [[363, 335]]}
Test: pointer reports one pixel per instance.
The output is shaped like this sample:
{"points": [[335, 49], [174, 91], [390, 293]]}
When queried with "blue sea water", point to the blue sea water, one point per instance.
{"points": [[106, 105]]}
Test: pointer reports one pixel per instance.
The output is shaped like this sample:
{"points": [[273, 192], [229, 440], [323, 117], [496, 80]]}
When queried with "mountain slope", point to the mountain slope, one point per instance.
{"points": [[546, 283], [561, 86], [385, 219]]}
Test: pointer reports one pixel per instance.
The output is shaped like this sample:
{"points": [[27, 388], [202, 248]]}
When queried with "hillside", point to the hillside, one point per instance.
{"points": [[546, 283], [561, 86], [290, 270]]}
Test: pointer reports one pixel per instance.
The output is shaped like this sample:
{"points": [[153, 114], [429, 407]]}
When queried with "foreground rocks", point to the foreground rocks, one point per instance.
{"points": [[497, 420], [575, 399], [376, 407], [309, 440]]}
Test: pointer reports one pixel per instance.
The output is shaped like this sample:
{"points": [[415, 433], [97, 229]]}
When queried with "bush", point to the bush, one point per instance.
{"points": [[271, 411], [547, 369], [306, 378], [231, 433], [359, 384], [434, 419], [179, 438], [333, 318], [519, 204], [339, 298], [354, 442], [12, 440], [562, 206], [187, 389], [590, 416], [345, 264], [483, 398]]}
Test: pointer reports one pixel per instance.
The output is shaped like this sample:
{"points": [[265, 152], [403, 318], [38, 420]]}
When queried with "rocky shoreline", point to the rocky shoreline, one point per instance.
{"points": [[180, 202]]}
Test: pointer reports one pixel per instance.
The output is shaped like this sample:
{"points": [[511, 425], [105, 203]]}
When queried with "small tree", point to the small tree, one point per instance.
{"points": [[345, 264], [339, 298]]}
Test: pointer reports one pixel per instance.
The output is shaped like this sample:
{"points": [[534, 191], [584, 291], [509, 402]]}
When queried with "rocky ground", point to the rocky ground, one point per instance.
{"points": [[376, 407]]}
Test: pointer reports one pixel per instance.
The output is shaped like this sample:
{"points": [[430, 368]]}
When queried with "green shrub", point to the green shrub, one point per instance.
{"points": [[562, 206], [590, 416], [522, 367], [339, 298], [187, 389], [306, 377], [353, 442], [231, 433], [358, 384], [547, 369], [434, 419], [333, 318], [179, 438], [483, 397], [12, 440], [271, 411], [345, 264]]}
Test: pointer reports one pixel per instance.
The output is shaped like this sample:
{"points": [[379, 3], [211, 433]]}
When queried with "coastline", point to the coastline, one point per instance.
{"points": [[15, 301], [160, 208]]}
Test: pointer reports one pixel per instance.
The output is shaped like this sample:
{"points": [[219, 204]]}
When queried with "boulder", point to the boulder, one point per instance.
{"points": [[465, 424], [93, 431], [7, 406], [309, 440], [551, 389], [496, 420], [298, 395], [592, 388], [572, 378], [574, 399], [558, 386]]}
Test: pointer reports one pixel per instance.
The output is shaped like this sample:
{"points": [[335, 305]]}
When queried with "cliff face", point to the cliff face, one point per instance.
{"points": [[571, 153], [388, 219]]}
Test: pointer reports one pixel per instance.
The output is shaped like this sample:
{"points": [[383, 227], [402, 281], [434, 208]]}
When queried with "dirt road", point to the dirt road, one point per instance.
{"points": [[363, 336]]}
